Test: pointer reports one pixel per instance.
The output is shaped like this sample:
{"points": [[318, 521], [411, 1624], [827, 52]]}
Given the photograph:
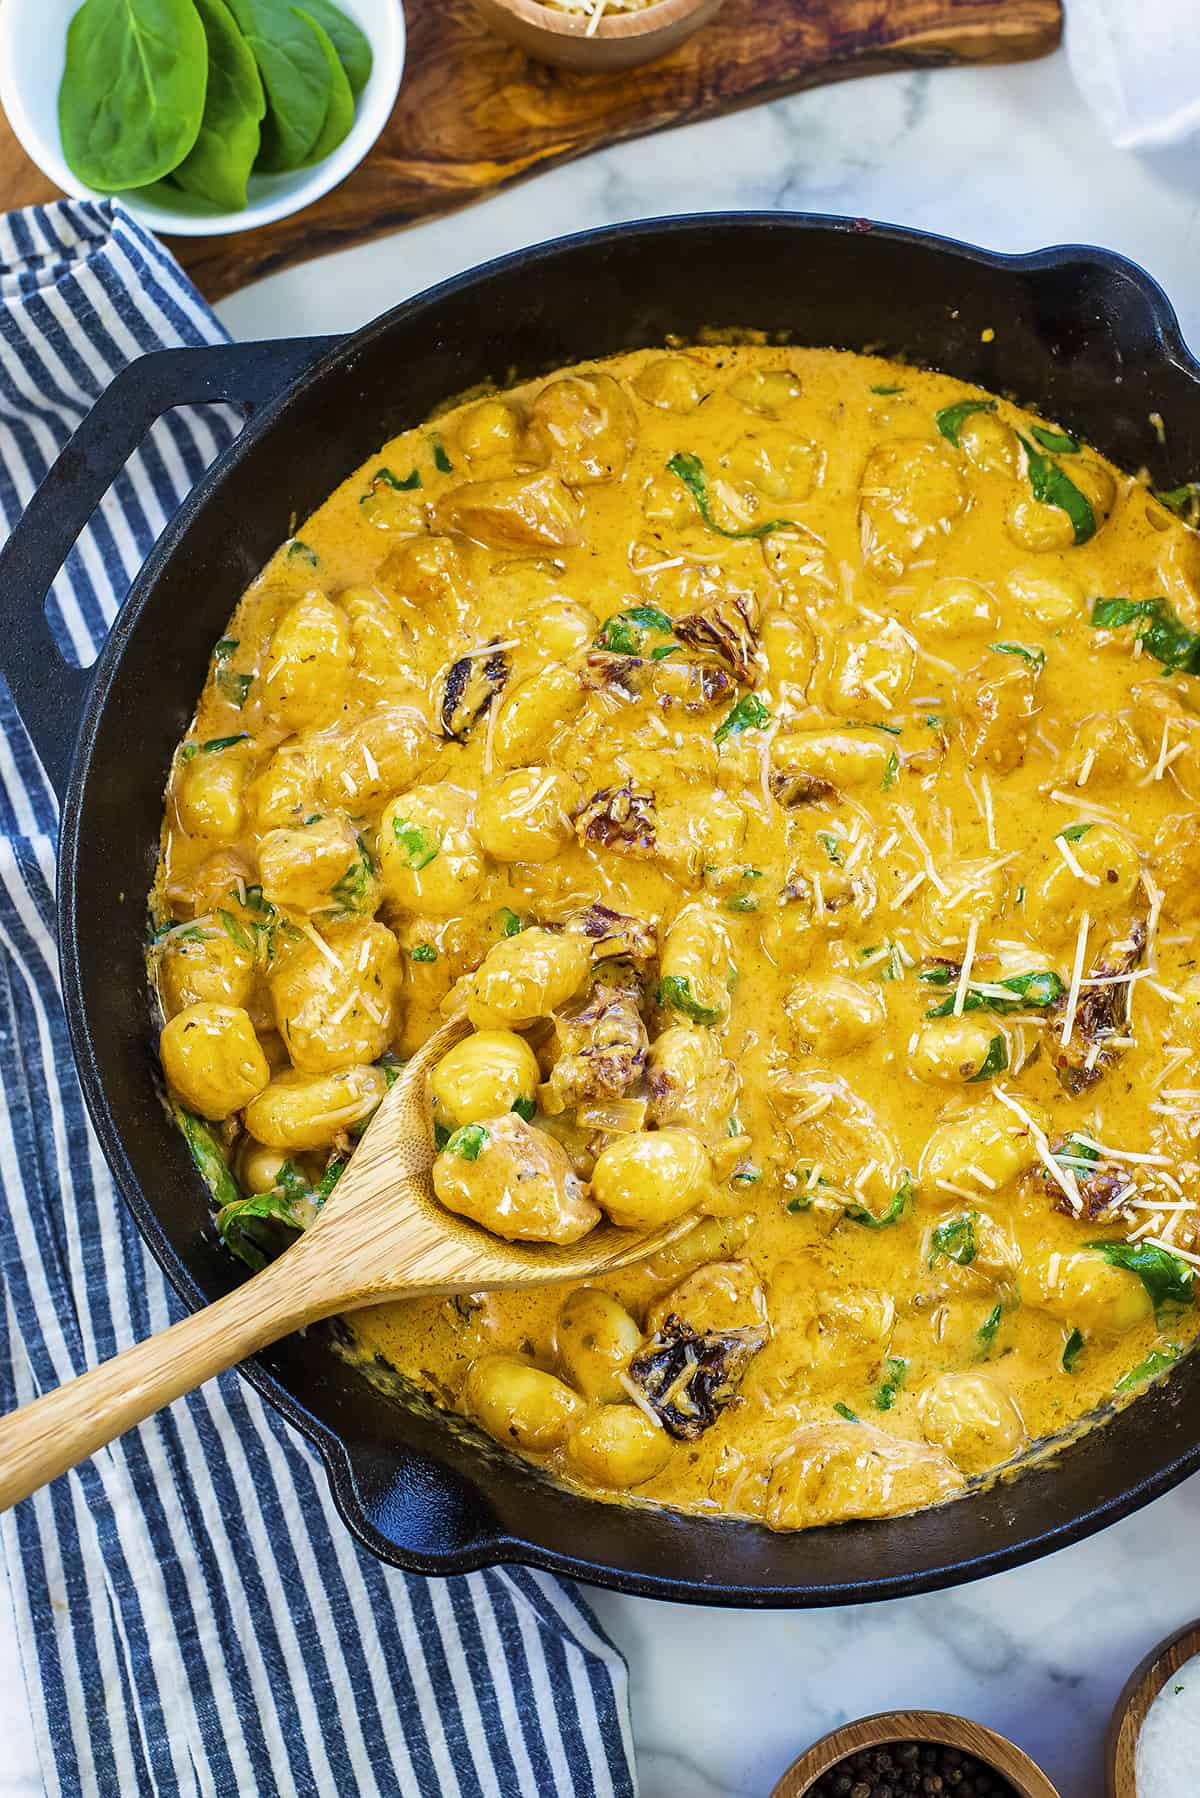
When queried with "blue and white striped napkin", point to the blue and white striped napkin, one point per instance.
{"points": [[194, 1617]]}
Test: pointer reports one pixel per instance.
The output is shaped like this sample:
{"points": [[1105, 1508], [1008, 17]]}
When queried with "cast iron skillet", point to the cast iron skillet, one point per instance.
{"points": [[1085, 336]]}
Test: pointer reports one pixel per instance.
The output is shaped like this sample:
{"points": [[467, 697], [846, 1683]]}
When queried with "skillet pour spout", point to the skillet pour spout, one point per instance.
{"points": [[1080, 335]]}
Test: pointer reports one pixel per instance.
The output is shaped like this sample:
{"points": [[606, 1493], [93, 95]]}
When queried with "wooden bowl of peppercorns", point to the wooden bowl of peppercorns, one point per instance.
{"points": [[925, 1754]]}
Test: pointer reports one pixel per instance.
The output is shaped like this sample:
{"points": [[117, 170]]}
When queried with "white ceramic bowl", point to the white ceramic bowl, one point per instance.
{"points": [[33, 35]]}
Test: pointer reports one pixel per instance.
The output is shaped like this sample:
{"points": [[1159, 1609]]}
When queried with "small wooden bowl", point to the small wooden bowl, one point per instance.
{"points": [[619, 41], [994, 1751], [1129, 1713]]}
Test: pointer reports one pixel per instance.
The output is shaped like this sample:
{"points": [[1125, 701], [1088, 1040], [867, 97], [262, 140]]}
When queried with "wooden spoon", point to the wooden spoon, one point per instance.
{"points": [[381, 1235]]}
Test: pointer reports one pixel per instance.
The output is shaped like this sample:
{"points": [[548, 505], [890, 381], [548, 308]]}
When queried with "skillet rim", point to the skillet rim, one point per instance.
{"points": [[499, 1546]]}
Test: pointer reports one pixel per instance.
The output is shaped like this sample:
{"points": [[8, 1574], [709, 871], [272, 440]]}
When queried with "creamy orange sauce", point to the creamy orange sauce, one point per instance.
{"points": [[862, 731]]}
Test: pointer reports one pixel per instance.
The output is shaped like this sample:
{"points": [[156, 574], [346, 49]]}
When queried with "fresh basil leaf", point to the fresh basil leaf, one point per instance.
{"points": [[1073, 832], [1036, 656], [749, 713], [690, 470], [1072, 1349], [1051, 487], [895, 1372], [131, 98], [1156, 1362], [675, 993], [1057, 442], [954, 1241], [951, 419], [900, 1199], [467, 1143], [845, 1411], [994, 1062], [1167, 1279], [419, 849]]}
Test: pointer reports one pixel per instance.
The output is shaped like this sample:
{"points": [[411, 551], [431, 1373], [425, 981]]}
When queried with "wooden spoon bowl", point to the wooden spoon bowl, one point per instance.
{"points": [[1129, 1713], [618, 41], [995, 1751], [381, 1235]]}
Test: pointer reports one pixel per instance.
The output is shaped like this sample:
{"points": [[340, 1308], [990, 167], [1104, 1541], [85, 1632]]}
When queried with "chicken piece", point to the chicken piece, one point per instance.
{"points": [[513, 513], [998, 715], [828, 1473]]}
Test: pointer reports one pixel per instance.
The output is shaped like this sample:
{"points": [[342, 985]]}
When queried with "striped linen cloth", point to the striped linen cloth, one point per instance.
{"points": [[193, 1616]]}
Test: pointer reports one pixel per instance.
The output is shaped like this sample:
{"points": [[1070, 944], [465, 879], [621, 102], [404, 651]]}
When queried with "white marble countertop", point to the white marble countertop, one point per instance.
{"points": [[1007, 157]]}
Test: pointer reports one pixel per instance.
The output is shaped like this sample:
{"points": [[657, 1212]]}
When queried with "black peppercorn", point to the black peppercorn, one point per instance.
{"points": [[919, 1769]]}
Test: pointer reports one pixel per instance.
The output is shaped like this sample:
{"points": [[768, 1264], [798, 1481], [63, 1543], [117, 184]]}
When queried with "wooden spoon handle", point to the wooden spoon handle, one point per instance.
{"points": [[63, 1427]]}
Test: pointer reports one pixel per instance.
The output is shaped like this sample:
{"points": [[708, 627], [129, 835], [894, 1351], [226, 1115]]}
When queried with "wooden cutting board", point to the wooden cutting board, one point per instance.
{"points": [[474, 114]]}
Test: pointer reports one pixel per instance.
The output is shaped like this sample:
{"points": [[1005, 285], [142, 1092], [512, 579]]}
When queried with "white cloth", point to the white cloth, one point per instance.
{"points": [[1137, 64]]}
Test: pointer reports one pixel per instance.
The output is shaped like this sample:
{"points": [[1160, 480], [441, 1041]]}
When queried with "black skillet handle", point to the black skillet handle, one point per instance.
{"points": [[47, 691]]}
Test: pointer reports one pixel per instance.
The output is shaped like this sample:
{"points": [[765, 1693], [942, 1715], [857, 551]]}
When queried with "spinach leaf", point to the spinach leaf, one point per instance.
{"points": [[507, 921], [1056, 441], [423, 952], [1051, 487], [994, 1062], [690, 470], [845, 1411], [1166, 1278], [1036, 656], [354, 51], [132, 92], [1040, 988], [895, 1372], [954, 1241], [419, 851], [339, 115], [884, 388], [625, 633], [234, 687], [441, 460], [295, 76], [467, 1142], [525, 1108], [216, 744], [234, 931], [891, 773], [1156, 1362], [859, 1214], [383, 477], [951, 419], [250, 1228], [750, 713], [675, 992], [1183, 501], [218, 165], [1159, 630], [352, 890], [299, 551], [832, 847], [207, 1154], [985, 1335], [1072, 1349], [1072, 833]]}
